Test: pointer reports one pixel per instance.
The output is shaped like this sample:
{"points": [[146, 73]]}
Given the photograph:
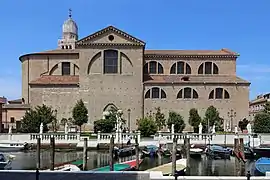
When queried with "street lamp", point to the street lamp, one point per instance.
{"points": [[231, 115], [128, 119]]}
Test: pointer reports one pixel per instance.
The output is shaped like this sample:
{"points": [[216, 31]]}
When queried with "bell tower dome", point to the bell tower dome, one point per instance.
{"points": [[69, 33]]}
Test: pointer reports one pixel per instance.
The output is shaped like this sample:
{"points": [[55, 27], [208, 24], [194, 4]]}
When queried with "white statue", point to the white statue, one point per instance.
{"points": [[249, 128], [66, 128], [200, 128], [9, 130], [41, 128], [235, 130], [213, 129], [172, 129]]}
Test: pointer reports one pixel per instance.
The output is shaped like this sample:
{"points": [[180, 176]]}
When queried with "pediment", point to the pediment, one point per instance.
{"points": [[109, 36]]}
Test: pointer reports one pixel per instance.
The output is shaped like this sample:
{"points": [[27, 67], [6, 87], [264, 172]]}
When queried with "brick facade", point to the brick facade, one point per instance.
{"points": [[42, 81]]}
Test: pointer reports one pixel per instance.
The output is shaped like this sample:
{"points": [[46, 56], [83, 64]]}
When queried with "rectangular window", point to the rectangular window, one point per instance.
{"points": [[208, 68], [153, 67], [219, 93], [65, 68], [155, 92], [12, 120], [110, 62], [180, 68], [187, 93]]}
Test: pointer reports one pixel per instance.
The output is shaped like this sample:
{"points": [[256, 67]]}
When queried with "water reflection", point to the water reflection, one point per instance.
{"points": [[199, 167]]}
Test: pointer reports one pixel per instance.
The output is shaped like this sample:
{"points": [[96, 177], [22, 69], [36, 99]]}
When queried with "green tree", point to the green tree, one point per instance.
{"points": [[212, 118], [159, 119], [104, 125], [243, 124], [108, 124], [34, 117], [262, 123], [147, 126], [69, 121], [80, 114], [194, 119], [177, 120]]}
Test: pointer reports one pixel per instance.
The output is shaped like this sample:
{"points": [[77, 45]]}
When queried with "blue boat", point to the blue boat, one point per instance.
{"points": [[262, 165], [150, 151], [218, 152]]}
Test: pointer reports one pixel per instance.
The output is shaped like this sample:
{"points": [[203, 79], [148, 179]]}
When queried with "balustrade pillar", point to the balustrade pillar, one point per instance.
{"points": [[139, 136], [98, 137]]}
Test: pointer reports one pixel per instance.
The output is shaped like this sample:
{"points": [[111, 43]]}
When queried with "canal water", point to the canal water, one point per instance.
{"points": [[199, 167]]}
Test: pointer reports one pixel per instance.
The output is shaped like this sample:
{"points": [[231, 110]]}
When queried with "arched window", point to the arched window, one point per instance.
{"points": [[110, 62], [219, 93], [208, 68], [155, 93], [187, 93], [153, 67], [180, 68]]}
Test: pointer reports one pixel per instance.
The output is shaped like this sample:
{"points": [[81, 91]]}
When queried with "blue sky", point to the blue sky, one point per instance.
{"points": [[242, 26]]}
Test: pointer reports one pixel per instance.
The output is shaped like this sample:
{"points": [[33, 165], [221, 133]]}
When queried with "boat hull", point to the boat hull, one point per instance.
{"points": [[124, 152], [12, 147], [261, 152], [262, 165], [124, 166], [218, 152]]}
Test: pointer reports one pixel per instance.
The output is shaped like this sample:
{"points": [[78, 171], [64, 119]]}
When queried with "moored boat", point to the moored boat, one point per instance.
{"points": [[12, 146], [150, 151], [195, 152], [262, 165], [261, 151], [6, 161], [166, 169], [124, 152], [218, 152], [124, 166], [66, 167]]}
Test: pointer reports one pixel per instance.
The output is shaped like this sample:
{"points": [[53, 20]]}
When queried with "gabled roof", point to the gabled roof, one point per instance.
{"points": [[111, 29]]}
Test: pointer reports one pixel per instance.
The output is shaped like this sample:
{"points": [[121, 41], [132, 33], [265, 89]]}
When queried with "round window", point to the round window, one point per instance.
{"points": [[111, 37]]}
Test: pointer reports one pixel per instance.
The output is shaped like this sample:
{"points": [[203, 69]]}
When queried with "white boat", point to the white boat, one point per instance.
{"points": [[6, 161], [166, 169], [66, 167], [195, 152], [12, 146]]}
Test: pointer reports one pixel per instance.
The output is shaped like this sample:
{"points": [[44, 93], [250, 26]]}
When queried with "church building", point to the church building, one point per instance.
{"points": [[113, 68]]}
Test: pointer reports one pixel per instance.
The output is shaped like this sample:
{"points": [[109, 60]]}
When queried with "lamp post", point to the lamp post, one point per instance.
{"points": [[128, 120], [118, 124], [231, 115]]}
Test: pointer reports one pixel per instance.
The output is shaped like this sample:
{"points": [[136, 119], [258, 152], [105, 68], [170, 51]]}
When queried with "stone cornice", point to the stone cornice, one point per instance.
{"points": [[86, 45], [152, 56], [197, 83]]}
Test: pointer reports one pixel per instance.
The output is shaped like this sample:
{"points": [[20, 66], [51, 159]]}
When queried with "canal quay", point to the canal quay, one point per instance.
{"points": [[199, 167]]}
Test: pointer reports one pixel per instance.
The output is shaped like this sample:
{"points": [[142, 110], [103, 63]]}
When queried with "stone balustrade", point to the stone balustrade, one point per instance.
{"points": [[158, 138]]}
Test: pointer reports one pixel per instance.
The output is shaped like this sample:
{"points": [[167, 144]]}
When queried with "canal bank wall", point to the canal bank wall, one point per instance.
{"points": [[32, 175]]}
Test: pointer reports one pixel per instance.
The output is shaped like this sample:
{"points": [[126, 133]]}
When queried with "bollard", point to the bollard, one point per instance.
{"points": [[248, 175], [37, 174]]}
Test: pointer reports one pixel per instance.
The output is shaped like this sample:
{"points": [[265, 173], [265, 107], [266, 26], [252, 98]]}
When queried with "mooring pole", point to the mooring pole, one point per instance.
{"points": [[85, 154], [111, 153], [248, 175]]}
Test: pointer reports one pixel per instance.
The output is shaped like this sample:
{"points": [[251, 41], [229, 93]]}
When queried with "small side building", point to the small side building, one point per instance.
{"points": [[11, 114], [257, 105]]}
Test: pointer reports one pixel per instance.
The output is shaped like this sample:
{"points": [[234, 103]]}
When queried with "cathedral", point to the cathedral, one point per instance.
{"points": [[113, 68]]}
